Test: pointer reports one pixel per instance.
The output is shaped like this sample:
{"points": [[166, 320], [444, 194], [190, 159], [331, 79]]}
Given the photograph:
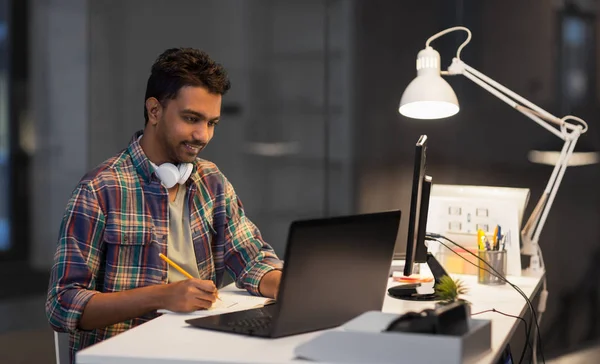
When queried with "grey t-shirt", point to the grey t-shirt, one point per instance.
{"points": [[180, 247]]}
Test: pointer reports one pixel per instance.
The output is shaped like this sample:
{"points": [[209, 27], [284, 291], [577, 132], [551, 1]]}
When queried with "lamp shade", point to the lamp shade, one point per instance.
{"points": [[428, 96]]}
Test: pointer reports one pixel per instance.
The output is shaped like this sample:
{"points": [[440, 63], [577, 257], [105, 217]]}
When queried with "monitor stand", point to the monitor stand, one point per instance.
{"points": [[409, 291]]}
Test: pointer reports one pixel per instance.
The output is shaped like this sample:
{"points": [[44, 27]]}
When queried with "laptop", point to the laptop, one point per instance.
{"points": [[335, 269]]}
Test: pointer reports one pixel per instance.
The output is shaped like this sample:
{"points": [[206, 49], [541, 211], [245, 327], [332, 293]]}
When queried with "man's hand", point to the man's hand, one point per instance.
{"points": [[105, 309], [269, 284], [190, 295]]}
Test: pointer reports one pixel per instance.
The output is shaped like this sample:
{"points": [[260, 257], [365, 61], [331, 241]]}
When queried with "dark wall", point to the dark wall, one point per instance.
{"points": [[487, 142]]}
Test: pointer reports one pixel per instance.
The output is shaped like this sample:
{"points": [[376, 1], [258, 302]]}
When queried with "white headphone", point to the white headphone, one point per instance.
{"points": [[169, 174]]}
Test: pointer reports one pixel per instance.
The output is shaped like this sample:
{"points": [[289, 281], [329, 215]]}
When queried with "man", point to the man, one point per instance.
{"points": [[156, 197]]}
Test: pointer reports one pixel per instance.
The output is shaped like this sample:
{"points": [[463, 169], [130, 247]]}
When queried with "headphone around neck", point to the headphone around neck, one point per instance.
{"points": [[169, 174]]}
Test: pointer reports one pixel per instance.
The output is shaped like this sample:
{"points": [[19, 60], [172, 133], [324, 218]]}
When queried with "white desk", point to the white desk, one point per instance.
{"points": [[168, 339]]}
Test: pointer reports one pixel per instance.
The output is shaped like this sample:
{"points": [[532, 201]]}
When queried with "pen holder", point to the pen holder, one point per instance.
{"points": [[497, 260]]}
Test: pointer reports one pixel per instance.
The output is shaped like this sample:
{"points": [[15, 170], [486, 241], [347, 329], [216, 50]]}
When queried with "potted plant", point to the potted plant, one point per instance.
{"points": [[449, 291]]}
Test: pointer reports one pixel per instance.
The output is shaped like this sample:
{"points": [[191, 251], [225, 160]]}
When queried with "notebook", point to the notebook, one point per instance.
{"points": [[229, 302]]}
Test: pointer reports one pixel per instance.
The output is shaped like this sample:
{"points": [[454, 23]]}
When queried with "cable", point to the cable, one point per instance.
{"points": [[505, 314], [541, 310], [497, 274], [435, 237], [534, 355], [437, 35], [533, 312], [541, 305], [527, 327]]}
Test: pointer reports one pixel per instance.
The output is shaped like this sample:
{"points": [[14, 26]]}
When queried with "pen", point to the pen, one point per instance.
{"points": [[178, 268], [505, 238]]}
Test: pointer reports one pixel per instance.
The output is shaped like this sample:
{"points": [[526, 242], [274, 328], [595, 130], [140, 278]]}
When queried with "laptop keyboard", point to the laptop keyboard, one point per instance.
{"points": [[255, 320], [255, 324]]}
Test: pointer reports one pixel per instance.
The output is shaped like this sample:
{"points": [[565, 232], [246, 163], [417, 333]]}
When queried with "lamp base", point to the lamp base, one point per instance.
{"points": [[535, 264], [532, 249]]}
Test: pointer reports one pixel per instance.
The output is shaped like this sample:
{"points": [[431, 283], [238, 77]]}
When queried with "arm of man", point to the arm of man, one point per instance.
{"points": [[269, 284], [254, 263], [72, 301], [106, 309]]}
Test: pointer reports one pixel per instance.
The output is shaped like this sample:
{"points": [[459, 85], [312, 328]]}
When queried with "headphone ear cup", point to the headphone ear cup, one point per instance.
{"points": [[168, 174], [185, 169]]}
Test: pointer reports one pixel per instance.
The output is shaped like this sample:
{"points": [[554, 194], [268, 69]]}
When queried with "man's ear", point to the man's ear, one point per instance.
{"points": [[153, 108]]}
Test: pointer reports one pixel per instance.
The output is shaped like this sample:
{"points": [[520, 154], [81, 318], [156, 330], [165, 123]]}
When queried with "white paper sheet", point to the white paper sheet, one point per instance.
{"points": [[229, 302]]}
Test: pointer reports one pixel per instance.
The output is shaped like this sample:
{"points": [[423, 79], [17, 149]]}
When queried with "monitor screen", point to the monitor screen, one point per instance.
{"points": [[416, 236]]}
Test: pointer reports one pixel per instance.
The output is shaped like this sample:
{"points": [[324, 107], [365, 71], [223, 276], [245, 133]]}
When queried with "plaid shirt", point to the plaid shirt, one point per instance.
{"points": [[116, 223]]}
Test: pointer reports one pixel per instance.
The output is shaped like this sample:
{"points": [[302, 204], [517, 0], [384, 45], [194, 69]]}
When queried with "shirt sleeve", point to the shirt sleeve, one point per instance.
{"points": [[76, 261], [247, 255]]}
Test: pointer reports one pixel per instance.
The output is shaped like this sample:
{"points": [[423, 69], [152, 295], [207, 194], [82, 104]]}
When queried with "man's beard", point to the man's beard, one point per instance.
{"points": [[178, 152], [183, 152]]}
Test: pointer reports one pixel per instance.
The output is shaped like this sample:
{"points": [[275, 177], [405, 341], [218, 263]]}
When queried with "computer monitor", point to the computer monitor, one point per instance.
{"points": [[416, 249], [414, 217]]}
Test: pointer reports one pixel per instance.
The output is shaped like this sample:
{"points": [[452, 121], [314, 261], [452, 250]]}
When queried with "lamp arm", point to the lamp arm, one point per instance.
{"points": [[508, 96], [503, 93], [528, 231], [568, 132], [538, 110], [552, 187]]}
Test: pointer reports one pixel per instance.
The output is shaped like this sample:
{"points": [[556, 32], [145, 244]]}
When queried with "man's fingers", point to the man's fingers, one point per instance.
{"points": [[205, 285], [204, 290], [207, 296], [202, 303]]}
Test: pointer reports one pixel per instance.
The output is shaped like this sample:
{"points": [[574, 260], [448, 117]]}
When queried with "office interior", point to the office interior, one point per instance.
{"points": [[310, 127]]}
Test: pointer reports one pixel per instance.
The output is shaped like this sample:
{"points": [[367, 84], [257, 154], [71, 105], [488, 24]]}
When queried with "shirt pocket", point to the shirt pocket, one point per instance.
{"points": [[131, 259], [204, 230]]}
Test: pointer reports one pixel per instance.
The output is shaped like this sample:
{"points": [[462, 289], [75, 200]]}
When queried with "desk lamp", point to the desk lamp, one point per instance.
{"points": [[429, 96]]}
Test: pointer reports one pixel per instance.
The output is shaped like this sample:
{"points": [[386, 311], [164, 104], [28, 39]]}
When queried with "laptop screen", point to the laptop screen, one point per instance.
{"points": [[335, 269]]}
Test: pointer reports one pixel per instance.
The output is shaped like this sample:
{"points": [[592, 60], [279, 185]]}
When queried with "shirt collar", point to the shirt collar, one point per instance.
{"points": [[142, 163]]}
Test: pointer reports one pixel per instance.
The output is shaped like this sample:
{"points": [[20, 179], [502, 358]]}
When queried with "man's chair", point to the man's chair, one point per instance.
{"points": [[61, 346]]}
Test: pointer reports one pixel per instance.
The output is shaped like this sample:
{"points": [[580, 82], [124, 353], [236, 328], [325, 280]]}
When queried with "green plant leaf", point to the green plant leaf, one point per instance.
{"points": [[449, 290]]}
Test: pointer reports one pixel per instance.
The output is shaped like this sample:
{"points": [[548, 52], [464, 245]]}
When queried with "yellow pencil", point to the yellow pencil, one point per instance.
{"points": [[179, 269]]}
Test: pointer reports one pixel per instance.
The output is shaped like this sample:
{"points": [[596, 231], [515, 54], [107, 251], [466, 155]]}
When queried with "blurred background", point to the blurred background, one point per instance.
{"points": [[310, 127]]}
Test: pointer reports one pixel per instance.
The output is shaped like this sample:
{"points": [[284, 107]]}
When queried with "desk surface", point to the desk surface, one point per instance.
{"points": [[169, 339]]}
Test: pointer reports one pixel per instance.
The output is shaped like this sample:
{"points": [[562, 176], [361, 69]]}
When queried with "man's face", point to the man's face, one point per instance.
{"points": [[186, 124]]}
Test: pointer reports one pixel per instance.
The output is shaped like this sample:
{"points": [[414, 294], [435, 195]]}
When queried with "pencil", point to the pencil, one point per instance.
{"points": [[179, 269]]}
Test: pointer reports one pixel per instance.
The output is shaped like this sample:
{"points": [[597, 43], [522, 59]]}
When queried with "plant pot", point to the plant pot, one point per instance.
{"points": [[465, 304]]}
